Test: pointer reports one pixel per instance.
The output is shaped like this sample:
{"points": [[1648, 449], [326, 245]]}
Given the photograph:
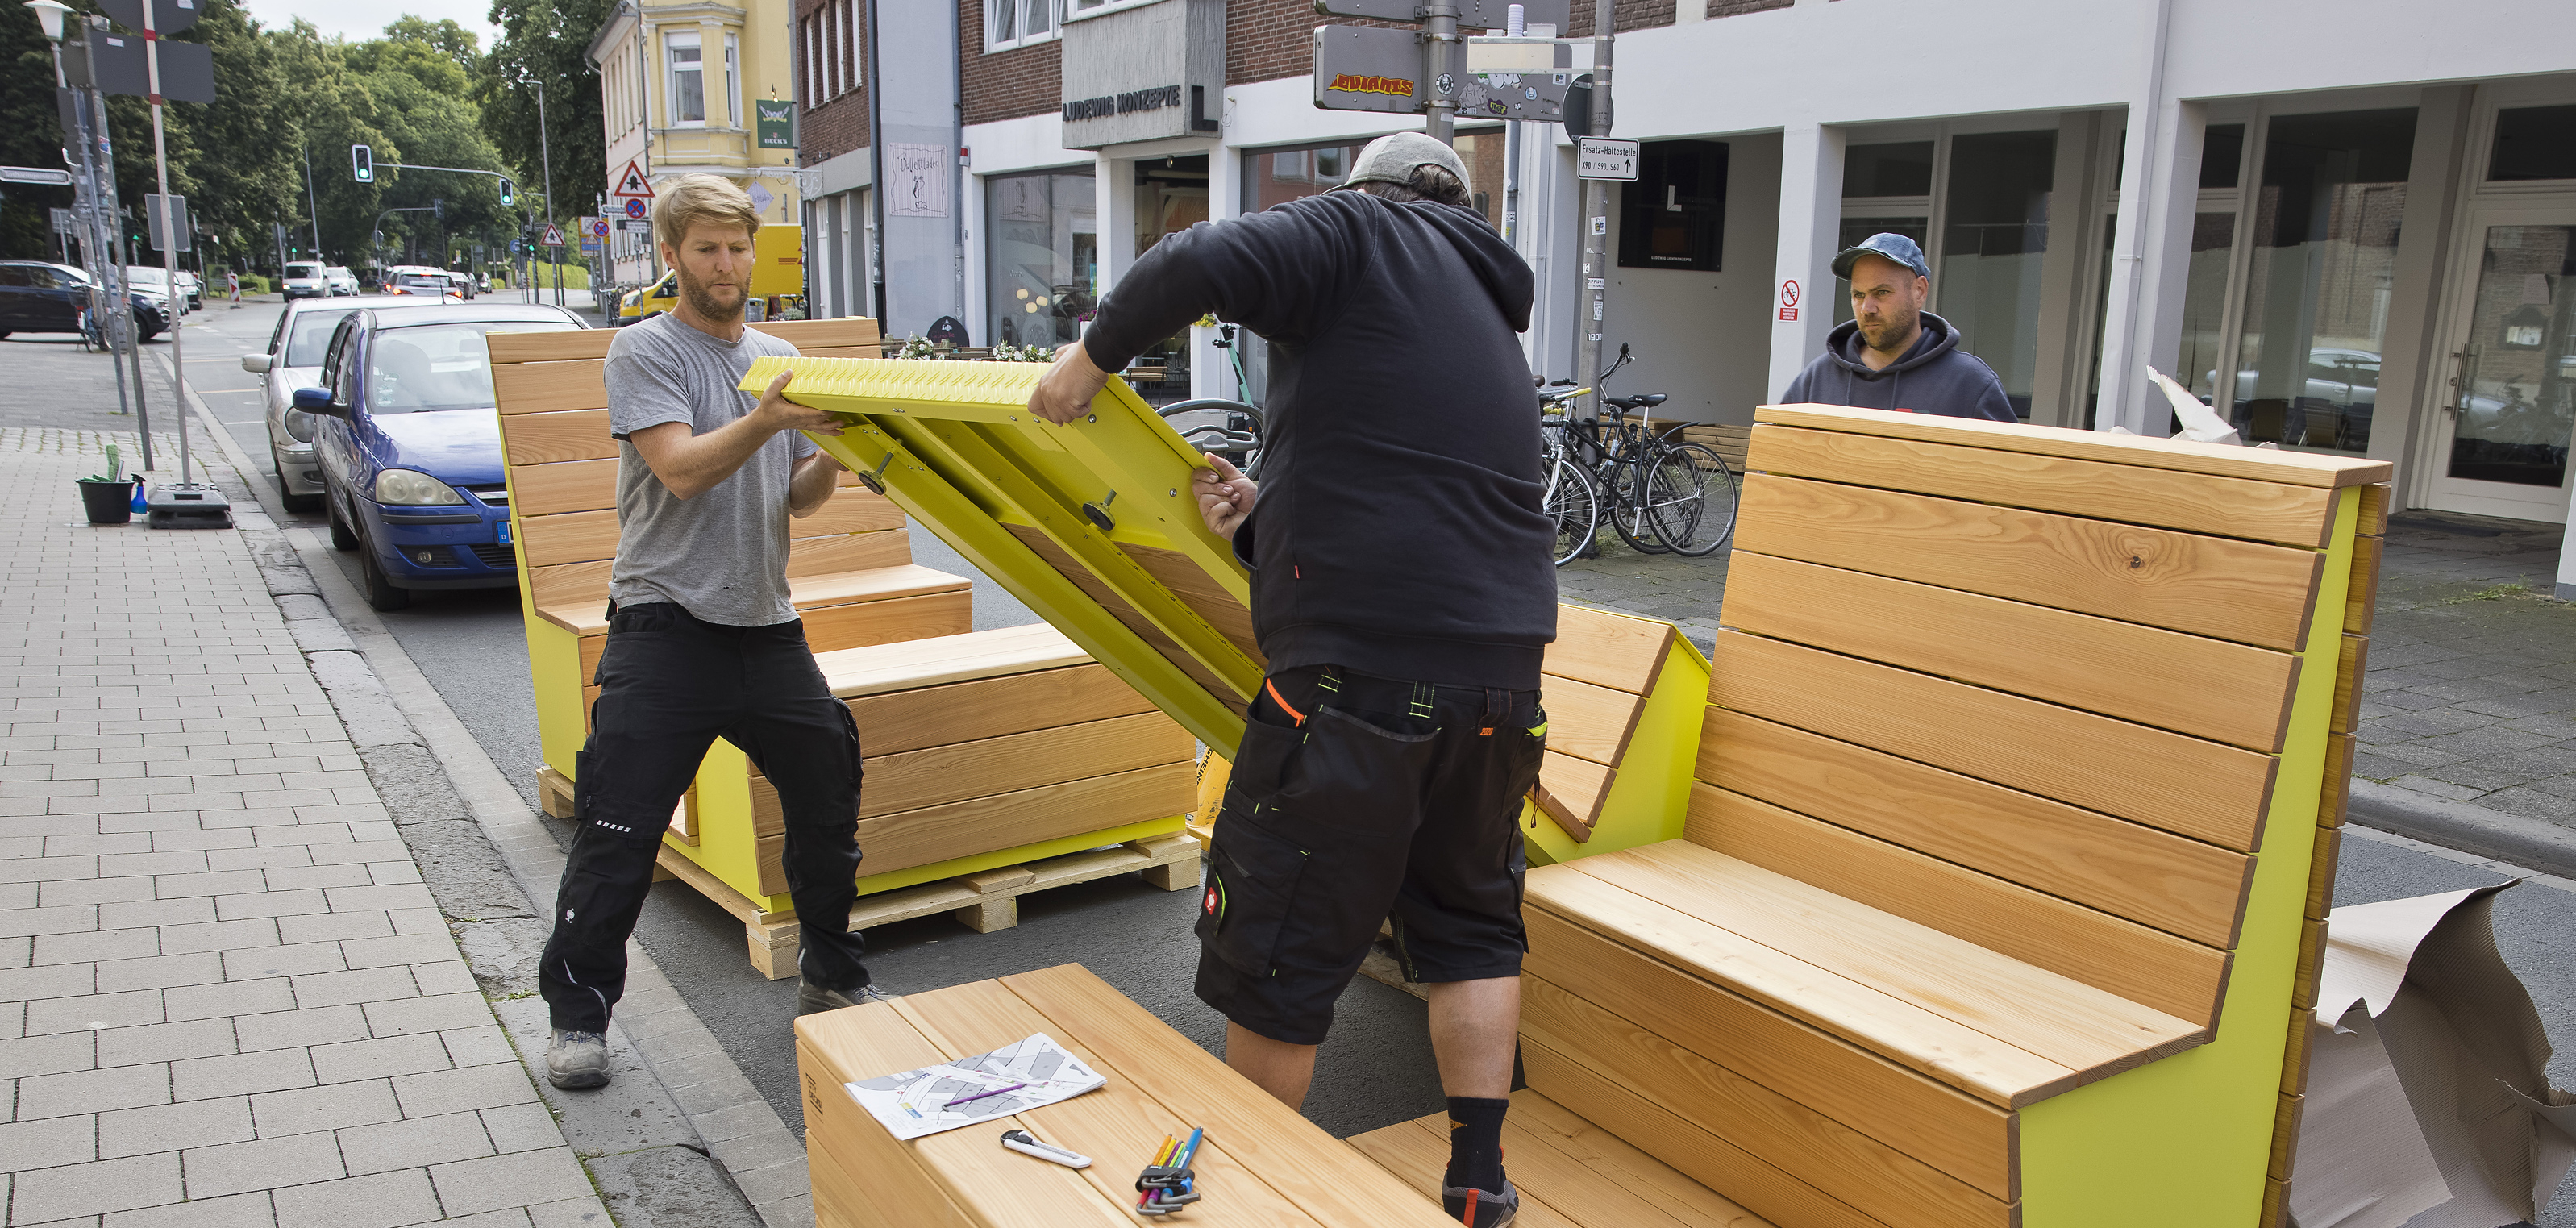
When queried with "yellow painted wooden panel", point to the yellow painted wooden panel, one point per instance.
{"points": [[2191, 502], [1850, 1166], [2173, 883], [1587, 721], [2185, 785], [2215, 586], [2209, 688], [549, 387], [572, 435], [1606, 649], [2259, 464], [2151, 967], [992, 707], [1920, 1038], [1940, 1125]]}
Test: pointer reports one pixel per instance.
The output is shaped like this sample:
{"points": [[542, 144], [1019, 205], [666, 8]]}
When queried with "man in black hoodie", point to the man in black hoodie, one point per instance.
{"points": [[1893, 354], [1403, 595]]}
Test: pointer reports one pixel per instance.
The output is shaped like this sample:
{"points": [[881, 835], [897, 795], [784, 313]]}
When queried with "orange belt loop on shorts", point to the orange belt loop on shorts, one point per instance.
{"points": [[1276, 698]]}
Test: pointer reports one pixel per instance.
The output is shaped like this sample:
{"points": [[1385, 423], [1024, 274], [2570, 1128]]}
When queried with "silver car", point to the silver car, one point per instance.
{"points": [[294, 360], [341, 280]]}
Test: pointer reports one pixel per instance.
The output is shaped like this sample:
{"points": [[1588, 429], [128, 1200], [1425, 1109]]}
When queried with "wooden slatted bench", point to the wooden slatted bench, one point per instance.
{"points": [[1993, 903], [1623, 696], [1729, 442]]}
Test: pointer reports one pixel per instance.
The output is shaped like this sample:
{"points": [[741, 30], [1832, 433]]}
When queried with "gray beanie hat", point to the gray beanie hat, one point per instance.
{"points": [[1392, 159]]}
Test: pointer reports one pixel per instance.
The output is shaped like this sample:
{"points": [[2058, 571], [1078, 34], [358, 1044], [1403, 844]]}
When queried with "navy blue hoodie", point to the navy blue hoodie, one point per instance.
{"points": [[1934, 377], [1398, 530]]}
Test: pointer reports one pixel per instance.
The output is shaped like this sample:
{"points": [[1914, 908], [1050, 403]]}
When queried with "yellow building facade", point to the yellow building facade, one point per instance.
{"points": [[692, 86]]}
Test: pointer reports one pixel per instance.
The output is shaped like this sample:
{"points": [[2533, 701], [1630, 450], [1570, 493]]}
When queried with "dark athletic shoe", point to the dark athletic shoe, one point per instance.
{"points": [[1482, 1208], [812, 999], [577, 1059]]}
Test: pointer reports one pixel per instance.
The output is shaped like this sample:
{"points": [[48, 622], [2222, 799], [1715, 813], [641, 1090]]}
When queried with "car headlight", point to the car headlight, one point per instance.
{"points": [[406, 488], [299, 427]]}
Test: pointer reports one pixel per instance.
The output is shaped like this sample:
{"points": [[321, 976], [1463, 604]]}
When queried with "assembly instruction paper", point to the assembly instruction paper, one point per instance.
{"points": [[934, 1098]]}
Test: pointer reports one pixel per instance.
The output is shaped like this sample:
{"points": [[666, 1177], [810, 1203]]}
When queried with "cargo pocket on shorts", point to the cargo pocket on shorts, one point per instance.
{"points": [[1358, 779], [1253, 876]]}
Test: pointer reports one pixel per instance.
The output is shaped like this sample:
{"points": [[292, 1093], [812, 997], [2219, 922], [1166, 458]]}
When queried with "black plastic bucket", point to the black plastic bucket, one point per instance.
{"points": [[108, 502]]}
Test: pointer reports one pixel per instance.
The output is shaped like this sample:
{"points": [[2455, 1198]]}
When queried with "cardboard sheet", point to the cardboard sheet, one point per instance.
{"points": [[2428, 1097]]}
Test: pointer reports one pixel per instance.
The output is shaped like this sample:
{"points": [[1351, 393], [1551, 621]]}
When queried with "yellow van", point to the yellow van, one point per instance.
{"points": [[778, 269]]}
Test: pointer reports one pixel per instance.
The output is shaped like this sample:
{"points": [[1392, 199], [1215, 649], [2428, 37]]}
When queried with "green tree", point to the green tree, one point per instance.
{"points": [[455, 42], [548, 42]]}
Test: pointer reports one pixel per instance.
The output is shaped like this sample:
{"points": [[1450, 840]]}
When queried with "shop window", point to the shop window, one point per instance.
{"points": [[688, 88], [2222, 154], [2324, 232], [1042, 257], [2533, 143], [1903, 168], [1674, 215], [1994, 238]]}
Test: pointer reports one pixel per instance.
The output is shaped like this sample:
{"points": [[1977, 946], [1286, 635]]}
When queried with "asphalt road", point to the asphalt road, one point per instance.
{"points": [[1376, 1068]]}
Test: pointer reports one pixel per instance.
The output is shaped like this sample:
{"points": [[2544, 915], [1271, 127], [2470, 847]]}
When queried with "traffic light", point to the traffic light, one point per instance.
{"points": [[362, 163], [438, 209], [509, 193]]}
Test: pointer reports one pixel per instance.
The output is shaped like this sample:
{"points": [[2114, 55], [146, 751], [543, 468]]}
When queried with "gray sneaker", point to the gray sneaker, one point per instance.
{"points": [[577, 1059], [814, 999], [1482, 1208]]}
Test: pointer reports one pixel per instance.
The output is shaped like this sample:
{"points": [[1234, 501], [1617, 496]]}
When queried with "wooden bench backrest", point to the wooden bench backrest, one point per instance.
{"points": [[563, 464], [1596, 676], [2025, 686]]}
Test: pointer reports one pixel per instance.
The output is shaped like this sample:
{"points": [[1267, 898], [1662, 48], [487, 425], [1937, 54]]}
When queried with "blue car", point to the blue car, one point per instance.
{"points": [[410, 447]]}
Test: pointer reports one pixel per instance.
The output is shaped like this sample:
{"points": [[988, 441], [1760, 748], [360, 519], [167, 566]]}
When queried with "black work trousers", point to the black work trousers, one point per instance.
{"points": [[669, 685]]}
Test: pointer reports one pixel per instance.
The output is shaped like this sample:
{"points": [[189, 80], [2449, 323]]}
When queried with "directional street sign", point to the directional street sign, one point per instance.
{"points": [[167, 17], [35, 174], [1368, 68], [631, 183], [1601, 157]]}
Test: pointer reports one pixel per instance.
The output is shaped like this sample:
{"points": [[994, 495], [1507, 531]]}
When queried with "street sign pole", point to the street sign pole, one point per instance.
{"points": [[1594, 217], [170, 250], [1440, 68], [116, 314]]}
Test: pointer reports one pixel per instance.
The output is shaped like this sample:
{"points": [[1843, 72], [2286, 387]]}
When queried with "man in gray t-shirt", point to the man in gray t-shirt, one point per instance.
{"points": [[703, 640]]}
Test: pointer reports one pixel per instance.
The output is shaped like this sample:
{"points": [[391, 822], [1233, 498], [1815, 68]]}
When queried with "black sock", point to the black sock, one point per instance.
{"points": [[1476, 1143]]}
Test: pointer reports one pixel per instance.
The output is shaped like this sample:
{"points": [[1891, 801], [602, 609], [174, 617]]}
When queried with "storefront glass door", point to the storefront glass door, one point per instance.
{"points": [[2509, 405]]}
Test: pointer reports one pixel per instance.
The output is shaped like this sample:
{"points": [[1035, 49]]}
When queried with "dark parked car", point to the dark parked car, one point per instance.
{"points": [[36, 297], [410, 447]]}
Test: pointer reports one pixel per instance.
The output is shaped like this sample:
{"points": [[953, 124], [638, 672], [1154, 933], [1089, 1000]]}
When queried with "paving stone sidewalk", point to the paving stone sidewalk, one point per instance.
{"points": [[2469, 693], [226, 997]]}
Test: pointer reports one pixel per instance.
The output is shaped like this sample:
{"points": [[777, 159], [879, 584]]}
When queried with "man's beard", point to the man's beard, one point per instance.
{"points": [[703, 300], [1893, 327]]}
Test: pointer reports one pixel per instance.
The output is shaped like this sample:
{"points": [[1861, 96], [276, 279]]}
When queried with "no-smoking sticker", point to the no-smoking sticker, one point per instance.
{"points": [[1789, 298]]}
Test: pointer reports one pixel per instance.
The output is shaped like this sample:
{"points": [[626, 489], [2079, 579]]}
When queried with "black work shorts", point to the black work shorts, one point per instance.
{"points": [[1357, 799]]}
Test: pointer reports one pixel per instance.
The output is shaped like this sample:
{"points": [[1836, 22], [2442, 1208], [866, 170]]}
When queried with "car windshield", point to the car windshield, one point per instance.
{"points": [[438, 366], [147, 277], [416, 281], [337, 271], [304, 270], [309, 337]]}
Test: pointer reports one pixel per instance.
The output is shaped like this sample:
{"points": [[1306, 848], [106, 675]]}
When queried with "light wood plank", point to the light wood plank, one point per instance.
{"points": [[575, 596], [2214, 586], [2204, 687], [2321, 872], [1571, 791], [837, 331], [834, 553], [994, 707], [1854, 1168], [561, 593], [2294, 1062], [549, 387], [843, 1141], [1420, 1160], [2204, 790], [2089, 1030], [2296, 515], [1587, 721], [1913, 1036], [2312, 956], [2337, 797], [2361, 600], [849, 510], [902, 840], [1549, 1124], [1201, 593], [1111, 1124], [2179, 885], [2259, 464], [948, 658], [550, 347], [1127, 616], [2173, 975], [565, 486], [535, 439], [2375, 503], [910, 780], [1258, 1130], [2349, 666], [1618, 651], [1940, 1125], [570, 537], [860, 623], [2285, 1135], [1695, 1153]]}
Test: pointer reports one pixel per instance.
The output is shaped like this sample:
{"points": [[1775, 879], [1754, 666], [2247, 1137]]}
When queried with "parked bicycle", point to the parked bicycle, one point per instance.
{"points": [[1231, 429], [1659, 492]]}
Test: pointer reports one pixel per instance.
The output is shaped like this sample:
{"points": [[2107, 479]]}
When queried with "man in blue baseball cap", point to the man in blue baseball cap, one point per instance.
{"points": [[1893, 354]]}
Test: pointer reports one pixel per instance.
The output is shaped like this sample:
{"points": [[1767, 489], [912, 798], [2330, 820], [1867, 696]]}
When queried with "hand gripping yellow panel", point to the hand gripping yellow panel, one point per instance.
{"points": [[1092, 524]]}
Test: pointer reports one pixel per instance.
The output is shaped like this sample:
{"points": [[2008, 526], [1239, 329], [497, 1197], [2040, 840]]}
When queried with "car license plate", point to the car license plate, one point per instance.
{"points": [[505, 532]]}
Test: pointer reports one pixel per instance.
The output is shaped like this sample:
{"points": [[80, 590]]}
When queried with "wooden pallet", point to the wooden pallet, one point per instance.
{"points": [[985, 901]]}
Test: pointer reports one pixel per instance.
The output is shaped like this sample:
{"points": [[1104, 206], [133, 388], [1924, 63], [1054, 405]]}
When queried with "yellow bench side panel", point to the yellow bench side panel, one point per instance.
{"points": [[2187, 1140], [1651, 794]]}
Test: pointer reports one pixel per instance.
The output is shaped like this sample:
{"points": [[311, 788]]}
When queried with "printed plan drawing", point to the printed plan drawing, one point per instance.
{"points": [[936, 1098]]}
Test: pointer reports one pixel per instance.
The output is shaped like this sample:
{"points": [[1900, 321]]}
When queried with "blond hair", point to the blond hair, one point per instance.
{"points": [[711, 199]]}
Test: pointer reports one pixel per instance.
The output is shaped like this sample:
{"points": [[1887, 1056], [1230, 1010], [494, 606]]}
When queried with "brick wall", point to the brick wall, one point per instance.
{"points": [[1005, 84], [1639, 14], [840, 124], [1269, 39], [1738, 8]]}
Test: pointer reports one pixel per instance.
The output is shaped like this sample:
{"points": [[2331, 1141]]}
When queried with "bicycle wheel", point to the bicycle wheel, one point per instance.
{"points": [[1624, 505], [1690, 499], [1575, 507]]}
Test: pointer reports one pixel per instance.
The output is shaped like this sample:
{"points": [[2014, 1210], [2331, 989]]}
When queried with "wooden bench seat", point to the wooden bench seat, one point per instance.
{"points": [[1570, 1172], [808, 593]]}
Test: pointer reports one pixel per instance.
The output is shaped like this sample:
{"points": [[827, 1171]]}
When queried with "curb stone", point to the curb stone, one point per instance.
{"points": [[2536, 843], [650, 1162]]}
